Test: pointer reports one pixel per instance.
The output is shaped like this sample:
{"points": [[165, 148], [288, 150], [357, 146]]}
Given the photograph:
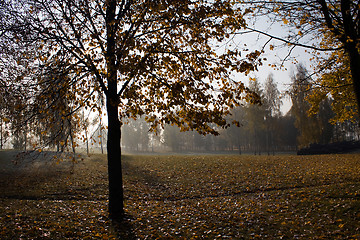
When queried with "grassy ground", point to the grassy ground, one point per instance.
{"points": [[184, 197]]}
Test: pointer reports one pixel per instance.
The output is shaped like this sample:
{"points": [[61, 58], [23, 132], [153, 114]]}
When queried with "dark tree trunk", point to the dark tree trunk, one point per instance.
{"points": [[355, 72], [1, 134], [116, 197], [350, 42]]}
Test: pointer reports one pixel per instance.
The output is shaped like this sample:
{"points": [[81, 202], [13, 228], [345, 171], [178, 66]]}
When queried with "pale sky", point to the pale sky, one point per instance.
{"points": [[282, 77]]}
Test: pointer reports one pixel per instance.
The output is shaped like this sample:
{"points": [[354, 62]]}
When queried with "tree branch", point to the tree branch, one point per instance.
{"points": [[292, 43]]}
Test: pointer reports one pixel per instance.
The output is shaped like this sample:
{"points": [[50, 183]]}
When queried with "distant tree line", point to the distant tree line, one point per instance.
{"points": [[262, 130]]}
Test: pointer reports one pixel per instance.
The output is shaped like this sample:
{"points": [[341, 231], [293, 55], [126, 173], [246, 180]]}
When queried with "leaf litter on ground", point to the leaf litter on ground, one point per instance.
{"points": [[188, 197]]}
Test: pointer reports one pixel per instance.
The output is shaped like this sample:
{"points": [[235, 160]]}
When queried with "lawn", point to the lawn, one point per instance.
{"points": [[184, 197]]}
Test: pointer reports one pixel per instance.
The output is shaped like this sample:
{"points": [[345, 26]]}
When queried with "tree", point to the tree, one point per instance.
{"points": [[319, 25], [19, 141], [144, 134], [150, 57], [341, 19], [135, 135], [310, 128], [4, 128], [272, 102], [55, 123], [4, 132], [256, 115], [85, 123], [172, 138], [287, 132], [130, 138], [272, 99], [335, 83], [98, 134], [235, 133]]}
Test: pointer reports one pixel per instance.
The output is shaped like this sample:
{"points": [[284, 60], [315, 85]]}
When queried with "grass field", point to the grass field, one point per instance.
{"points": [[184, 197]]}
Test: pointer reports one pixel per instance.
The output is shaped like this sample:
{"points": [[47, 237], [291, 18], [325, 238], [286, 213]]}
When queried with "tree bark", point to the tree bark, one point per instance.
{"points": [[350, 42], [1, 134], [116, 197], [355, 73]]}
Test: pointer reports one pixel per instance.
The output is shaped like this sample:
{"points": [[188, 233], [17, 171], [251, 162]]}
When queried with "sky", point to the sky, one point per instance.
{"points": [[281, 76]]}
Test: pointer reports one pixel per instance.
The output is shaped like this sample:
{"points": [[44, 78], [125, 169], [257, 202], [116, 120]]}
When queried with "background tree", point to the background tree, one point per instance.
{"points": [[272, 103], [84, 124], [54, 119], [287, 133], [98, 135], [4, 131], [272, 98], [173, 138], [12, 69], [335, 82], [154, 58], [236, 133], [144, 134], [19, 140], [199, 142], [135, 135], [256, 118], [309, 129], [319, 25]]}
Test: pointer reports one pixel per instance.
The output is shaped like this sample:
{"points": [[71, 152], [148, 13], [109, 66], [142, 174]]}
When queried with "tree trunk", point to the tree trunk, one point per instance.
{"points": [[72, 140], [116, 198], [350, 42], [116, 195], [87, 143], [355, 73], [101, 137], [25, 138], [1, 134], [86, 133]]}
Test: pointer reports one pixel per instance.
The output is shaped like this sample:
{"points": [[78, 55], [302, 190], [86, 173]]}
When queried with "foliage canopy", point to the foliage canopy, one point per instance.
{"points": [[157, 58]]}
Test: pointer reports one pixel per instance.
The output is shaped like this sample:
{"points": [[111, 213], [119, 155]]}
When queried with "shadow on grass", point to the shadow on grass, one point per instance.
{"points": [[123, 228], [151, 183]]}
